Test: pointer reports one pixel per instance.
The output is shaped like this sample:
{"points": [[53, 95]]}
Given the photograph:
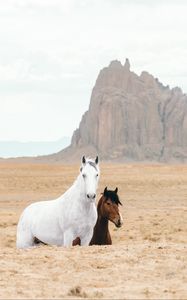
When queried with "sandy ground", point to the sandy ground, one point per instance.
{"points": [[148, 258]]}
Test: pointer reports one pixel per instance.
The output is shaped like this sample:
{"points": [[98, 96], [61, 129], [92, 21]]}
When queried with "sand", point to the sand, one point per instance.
{"points": [[148, 258]]}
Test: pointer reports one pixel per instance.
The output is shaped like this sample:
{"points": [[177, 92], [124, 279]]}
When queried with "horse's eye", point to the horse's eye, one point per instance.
{"points": [[84, 175], [97, 175], [108, 203]]}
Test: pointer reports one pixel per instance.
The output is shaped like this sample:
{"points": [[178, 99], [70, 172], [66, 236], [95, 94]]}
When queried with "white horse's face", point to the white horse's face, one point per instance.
{"points": [[90, 177]]}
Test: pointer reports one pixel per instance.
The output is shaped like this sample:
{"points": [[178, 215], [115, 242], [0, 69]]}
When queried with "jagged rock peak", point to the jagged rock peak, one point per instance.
{"points": [[177, 90], [148, 79], [146, 76], [115, 64], [127, 64], [115, 75], [133, 117]]}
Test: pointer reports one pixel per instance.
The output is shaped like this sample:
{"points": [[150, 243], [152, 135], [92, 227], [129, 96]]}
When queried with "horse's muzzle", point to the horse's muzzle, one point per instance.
{"points": [[118, 225], [118, 222], [91, 196]]}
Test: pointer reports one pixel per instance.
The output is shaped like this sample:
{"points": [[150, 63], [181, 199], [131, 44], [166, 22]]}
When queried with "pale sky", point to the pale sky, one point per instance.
{"points": [[51, 52]]}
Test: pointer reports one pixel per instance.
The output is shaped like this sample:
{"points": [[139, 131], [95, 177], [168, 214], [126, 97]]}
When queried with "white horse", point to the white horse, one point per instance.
{"points": [[60, 221]]}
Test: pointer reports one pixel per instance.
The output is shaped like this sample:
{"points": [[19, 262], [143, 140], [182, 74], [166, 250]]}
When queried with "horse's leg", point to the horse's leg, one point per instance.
{"points": [[76, 242], [68, 238], [85, 240], [109, 240]]}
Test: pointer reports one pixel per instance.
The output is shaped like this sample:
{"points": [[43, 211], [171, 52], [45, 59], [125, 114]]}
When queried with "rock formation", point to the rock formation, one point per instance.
{"points": [[132, 117]]}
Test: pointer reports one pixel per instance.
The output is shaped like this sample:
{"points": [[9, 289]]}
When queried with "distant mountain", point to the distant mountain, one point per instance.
{"points": [[131, 118], [20, 149]]}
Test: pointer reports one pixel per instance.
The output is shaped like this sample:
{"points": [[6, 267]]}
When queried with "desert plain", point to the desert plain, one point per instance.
{"points": [[148, 258]]}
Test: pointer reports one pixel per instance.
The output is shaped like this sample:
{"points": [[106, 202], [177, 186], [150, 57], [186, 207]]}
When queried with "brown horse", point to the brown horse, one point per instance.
{"points": [[108, 210]]}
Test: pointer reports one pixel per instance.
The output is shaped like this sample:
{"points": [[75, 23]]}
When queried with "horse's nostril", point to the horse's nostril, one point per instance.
{"points": [[119, 223], [91, 196]]}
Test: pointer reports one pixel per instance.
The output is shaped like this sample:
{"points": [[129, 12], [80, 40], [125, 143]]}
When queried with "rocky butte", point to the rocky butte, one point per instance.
{"points": [[131, 118]]}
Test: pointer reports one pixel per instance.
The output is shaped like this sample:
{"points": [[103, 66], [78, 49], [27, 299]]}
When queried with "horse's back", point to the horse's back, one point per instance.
{"points": [[37, 209], [36, 220]]}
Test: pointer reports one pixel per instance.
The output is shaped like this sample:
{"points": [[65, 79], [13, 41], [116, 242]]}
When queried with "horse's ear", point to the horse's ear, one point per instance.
{"points": [[116, 190], [83, 160], [97, 160], [105, 190]]}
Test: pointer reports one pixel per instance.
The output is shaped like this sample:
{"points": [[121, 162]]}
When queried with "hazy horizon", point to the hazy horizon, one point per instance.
{"points": [[9, 149], [52, 51]]}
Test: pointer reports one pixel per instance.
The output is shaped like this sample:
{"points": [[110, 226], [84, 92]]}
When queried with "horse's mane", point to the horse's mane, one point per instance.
{"points": [[91, 162], [113, 196]]}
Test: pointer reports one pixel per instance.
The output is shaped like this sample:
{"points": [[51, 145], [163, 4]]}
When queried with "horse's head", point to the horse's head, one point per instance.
{"points": [[108, 207], [90, 176]]}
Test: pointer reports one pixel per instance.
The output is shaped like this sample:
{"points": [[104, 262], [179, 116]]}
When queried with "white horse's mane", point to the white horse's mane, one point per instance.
{"points": [[91, 162]]}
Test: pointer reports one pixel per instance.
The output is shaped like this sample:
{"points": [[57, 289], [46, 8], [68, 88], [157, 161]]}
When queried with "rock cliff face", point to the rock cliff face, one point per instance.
{"points": [[133, 117]]}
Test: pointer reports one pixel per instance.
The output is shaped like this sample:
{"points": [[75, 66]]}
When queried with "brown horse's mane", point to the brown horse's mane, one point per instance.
{"points": [[112, 195]]}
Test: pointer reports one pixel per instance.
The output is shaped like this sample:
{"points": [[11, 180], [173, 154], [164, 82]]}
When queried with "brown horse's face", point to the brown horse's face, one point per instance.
{"points": [[110, 210]]}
